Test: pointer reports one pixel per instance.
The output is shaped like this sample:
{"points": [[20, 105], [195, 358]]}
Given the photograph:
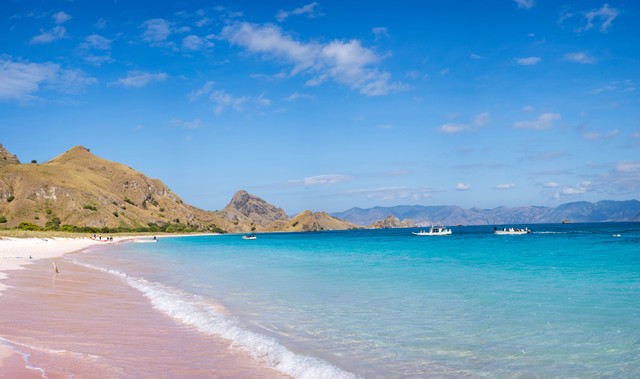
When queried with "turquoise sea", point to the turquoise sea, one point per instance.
{"points": [[561, 302]]}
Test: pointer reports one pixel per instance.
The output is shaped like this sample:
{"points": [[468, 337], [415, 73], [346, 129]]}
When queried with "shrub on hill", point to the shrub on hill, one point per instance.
{"points": [[54, 225], [215, 229], [28, 226]]}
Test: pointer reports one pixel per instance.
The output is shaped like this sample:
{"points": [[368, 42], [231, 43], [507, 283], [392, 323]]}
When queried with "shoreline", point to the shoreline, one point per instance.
{"points": [[30, 345], [16, 252]]}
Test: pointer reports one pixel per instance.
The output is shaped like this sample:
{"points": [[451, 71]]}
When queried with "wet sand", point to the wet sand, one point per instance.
{"points": [[83, 323]]}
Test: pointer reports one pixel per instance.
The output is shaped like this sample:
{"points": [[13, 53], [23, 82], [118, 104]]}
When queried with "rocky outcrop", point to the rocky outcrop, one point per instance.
{"points": [[246, 208], [7, 158], [393, 222], [309, 221]]}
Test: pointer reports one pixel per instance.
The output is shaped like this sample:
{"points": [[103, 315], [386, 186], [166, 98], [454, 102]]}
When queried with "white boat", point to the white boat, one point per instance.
{"points": [[249, 237], [433, 231], [510, 231]]}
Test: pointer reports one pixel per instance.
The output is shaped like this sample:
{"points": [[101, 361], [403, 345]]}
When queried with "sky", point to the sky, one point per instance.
{"points": [[328, 105]]}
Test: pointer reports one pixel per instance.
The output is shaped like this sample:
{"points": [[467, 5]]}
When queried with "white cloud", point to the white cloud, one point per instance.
{"points": [[61, 17], [463, 187], [56, 33], [270, 40], [223, 100], [544, 121], [452, 128], [605, 15], [481, 120], [527, 108], [20, 81], [394, 193], [348, 62], [182, 29], [156, 31], [595, 136], [624, 178], [529, 61], [92, 43], [478, 122], [96, 41], [297, 96], [551, 185], [628, 166], [193, 124], [322, 180], [204, 90], [263, 101], [71, 81], [614, 86], [505, 186], [578, 189], [138, 79], [309, 9], [380, 32], [526, 4], [580, 57], [194, 43]]}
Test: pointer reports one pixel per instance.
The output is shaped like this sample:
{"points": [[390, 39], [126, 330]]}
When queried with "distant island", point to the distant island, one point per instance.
{"points": [[419, 215], [78, 191]]}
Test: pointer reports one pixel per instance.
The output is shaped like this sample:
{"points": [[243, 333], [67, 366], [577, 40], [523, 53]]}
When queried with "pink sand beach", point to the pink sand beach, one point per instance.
{"points": [[83, 323]]}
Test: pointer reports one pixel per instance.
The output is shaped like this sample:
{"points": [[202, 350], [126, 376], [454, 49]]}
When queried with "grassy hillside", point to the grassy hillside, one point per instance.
{"points": [[79, 190]]}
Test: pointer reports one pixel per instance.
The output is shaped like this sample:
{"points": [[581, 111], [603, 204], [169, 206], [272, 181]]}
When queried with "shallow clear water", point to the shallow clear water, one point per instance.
{"points": [[561, 302]]}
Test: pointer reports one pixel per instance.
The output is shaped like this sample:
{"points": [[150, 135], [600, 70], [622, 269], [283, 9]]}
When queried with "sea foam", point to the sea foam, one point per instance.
{"points": [[203, 314], [25, 357]]}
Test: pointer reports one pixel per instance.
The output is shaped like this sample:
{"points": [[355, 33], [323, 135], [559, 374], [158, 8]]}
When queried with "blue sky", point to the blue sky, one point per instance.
{"points": [[326, 105]]}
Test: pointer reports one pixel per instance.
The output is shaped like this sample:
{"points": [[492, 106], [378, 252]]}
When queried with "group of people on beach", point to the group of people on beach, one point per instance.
{"points": [[99, 238]]}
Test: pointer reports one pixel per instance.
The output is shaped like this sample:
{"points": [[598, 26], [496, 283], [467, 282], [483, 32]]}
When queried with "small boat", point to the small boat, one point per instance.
{"points": [[249, 237], [511, 231], [433, 231]]}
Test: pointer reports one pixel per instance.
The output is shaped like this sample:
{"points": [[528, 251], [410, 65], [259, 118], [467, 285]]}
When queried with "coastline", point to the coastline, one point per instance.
{"points": [[43, 333], [15, 254]]}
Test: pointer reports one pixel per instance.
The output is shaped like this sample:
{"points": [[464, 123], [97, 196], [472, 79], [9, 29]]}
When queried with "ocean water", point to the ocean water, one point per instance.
{"points": [[561, 302]]}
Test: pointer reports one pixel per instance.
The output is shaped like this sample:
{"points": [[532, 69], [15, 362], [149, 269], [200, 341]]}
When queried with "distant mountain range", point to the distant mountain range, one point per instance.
{"points": [[581, 211]]}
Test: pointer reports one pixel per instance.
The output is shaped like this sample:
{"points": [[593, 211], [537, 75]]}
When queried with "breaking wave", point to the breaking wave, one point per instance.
{"points": [[199, 312]]}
